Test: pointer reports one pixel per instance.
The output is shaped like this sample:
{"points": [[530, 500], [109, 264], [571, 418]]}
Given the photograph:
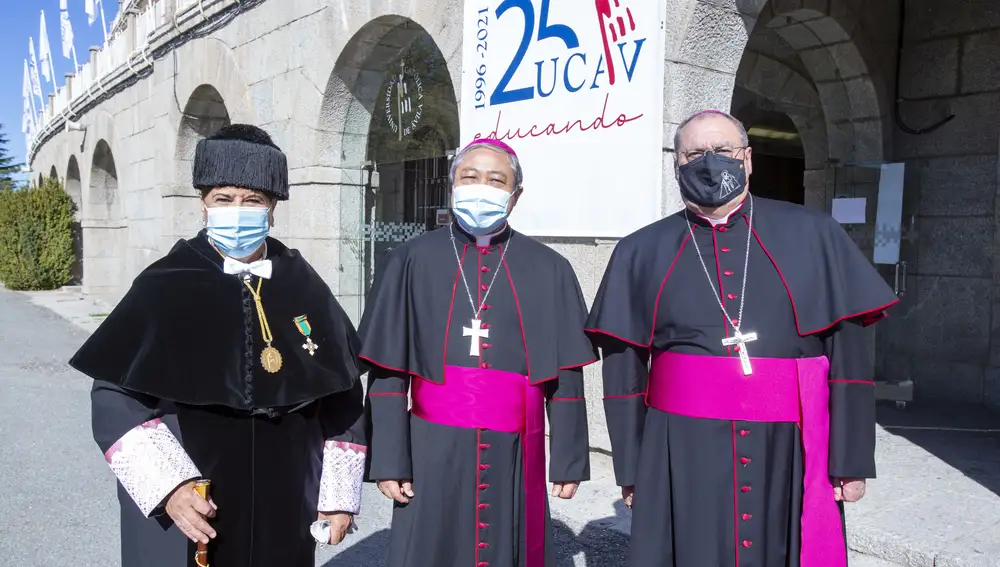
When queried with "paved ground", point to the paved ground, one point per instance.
{"points": [[936, 505], [57, 497]]}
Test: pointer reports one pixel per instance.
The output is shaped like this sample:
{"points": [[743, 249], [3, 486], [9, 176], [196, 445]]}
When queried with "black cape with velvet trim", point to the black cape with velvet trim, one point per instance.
{"points": [[188, 332], [814, 256], [417, 293]]}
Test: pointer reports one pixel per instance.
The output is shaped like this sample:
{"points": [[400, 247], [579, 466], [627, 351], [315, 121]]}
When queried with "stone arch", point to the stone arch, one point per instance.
{"points": [[829, 49], [217, 66], [100, 132], [74, 188], [53, 173], [350, 108], [840, 73], [353, 89], [103, 195], [826, 46], [200, 91], [104, 228], [205, 112], [41, 180], [74, 184], [784, 89]]}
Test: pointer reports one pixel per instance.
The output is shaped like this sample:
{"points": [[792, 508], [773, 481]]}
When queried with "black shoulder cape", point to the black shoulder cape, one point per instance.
{"points": [[403, 327], [188, 332], [812, 253]]}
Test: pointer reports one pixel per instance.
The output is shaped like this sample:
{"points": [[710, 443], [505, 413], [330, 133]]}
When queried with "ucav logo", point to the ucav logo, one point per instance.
{"points": [[576, 70]]}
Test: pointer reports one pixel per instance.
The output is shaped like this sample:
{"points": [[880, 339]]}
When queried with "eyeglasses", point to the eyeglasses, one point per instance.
{"points": [[724, 151]]}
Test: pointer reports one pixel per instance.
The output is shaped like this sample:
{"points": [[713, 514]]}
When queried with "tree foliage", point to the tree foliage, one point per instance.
{"points": [[36, 237], [7, 166]]}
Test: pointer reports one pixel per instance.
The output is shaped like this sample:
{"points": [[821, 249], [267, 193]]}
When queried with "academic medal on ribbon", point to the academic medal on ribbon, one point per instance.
{"points": [[302, 324]]}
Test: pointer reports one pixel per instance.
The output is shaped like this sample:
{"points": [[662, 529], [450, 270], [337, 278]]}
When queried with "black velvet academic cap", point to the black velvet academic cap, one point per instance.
{"points": [[241, 155]]}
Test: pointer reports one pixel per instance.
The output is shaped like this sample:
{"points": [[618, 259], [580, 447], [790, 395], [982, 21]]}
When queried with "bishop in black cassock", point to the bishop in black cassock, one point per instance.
{"points": [[483, 327], [738, 392], [194, 378]]}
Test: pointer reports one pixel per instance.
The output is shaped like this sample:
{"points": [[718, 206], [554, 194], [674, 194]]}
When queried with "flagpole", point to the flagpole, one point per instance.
{"points": [[104, 24], [76, 65]]}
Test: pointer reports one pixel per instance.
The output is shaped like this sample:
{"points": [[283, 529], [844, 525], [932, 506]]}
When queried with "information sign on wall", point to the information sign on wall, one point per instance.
{"points": [[576, 88]]}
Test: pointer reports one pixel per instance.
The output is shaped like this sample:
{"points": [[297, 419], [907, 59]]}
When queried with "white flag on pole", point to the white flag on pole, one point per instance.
{"points": [[36, 85], [90, 7], [26, 114], [45, 52], [66, 29], [26, 83], [27, 118]]}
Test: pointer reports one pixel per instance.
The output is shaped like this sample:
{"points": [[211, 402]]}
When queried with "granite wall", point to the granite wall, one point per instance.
{"points": [[309, 72], [947, 337]]}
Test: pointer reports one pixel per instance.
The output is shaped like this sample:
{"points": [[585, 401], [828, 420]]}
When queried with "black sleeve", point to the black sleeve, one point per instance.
{"points": [[343, 416], [114, 412], [625, 374], [852, 402], [569, 442], [389, 426]]}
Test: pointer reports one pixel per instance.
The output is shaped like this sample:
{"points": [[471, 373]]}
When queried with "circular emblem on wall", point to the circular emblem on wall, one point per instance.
{"points": [[404, 101]]}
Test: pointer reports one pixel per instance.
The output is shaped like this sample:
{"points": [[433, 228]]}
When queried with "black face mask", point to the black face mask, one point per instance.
{"points": [[712, 180]]}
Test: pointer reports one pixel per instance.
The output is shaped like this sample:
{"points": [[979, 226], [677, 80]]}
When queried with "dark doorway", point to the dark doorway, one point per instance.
{"points": [[777, 177], [778, 160]]}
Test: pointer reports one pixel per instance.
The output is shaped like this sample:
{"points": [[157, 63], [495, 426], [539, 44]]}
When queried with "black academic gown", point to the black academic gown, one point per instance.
{"points": [[184, 346], [411, 329], [809, 291]]}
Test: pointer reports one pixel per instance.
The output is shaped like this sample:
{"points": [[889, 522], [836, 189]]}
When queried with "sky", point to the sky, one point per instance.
{"points": [[21, 21]]}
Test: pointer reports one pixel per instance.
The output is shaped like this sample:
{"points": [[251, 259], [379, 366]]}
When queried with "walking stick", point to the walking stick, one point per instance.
{"points": [[201, 556]]}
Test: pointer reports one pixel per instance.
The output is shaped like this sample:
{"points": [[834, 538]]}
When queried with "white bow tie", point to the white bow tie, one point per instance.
{"points": [[260, 268]]}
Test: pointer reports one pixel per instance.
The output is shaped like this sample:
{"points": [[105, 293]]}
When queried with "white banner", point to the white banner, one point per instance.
{"points": [[36, 85], [576, 88], [66, 30], [90, 8], [45, 52]]}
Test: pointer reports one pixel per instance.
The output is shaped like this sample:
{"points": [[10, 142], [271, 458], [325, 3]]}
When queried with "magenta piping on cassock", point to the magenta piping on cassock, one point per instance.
{"points": [[496, 400], [714, 387]]}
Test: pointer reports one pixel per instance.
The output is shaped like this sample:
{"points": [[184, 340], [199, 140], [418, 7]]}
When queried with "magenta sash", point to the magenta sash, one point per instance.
{"points": [[499, 401], [793, 390]]}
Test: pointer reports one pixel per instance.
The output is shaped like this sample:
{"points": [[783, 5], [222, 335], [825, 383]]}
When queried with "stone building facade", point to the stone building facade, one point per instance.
{"points": [[317, 75]]}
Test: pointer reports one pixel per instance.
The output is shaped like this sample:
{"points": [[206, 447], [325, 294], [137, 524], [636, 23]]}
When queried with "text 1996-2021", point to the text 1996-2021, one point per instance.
{"points": [[482, 31]]}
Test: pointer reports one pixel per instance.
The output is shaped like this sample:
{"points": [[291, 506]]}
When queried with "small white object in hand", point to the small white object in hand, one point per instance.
{"points": [[320, 531]]}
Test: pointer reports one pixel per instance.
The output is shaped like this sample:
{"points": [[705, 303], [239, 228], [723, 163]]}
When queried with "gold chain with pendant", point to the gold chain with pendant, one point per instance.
{"points": [[270, 358]]}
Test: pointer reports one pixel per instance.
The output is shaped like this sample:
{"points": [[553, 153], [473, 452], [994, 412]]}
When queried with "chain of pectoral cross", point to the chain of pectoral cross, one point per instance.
{"points": [[739, 340], [476, 332]]}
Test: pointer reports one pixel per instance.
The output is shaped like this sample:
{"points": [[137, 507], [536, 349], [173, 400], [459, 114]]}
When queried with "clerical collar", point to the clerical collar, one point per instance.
{"points": [[727, 220], [485, 241]]}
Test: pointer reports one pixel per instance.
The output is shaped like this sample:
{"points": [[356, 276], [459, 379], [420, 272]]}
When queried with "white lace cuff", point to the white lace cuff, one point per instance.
{"points": [[150, 463], [343, 476]]}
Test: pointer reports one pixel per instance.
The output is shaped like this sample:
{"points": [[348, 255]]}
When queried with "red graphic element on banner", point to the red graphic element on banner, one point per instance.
{"points": [[612, 21]]}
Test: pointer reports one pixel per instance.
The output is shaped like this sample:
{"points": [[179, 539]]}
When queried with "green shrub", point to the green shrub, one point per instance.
{"points": [[36, 237]]}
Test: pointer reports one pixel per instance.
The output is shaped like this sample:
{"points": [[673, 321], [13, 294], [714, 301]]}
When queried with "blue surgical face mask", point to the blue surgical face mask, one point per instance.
{"points": [[480, 209], [238, 231]]}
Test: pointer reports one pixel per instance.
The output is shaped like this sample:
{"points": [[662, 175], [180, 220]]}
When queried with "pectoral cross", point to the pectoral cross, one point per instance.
{"points": [[476, 332], [740, 340]]}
